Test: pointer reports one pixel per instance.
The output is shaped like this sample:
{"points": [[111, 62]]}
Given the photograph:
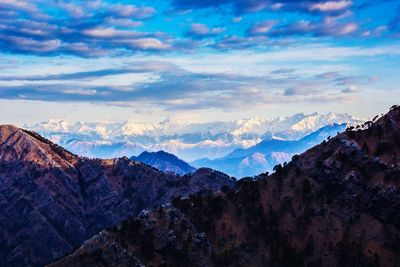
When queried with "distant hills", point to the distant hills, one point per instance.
{"points": [[337, 204], [51, 200], [188, 141], [165, 162], [263, 156]]}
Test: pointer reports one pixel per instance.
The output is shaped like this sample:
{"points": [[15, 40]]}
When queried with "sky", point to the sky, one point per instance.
{"points": [[196, 61]]}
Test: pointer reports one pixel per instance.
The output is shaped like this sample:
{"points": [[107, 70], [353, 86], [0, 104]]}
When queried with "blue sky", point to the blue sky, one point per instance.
{"points": [[196, 60]]}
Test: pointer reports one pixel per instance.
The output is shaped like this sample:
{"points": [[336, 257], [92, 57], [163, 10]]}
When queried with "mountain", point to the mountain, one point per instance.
{"points": [[51, 200], [165, 162], [102, 149], [189, 141], [337, 204], [263, 156]]}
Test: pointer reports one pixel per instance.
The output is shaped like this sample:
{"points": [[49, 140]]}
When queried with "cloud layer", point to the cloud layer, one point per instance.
{"points": [[246, 6], [87, 29], [173, 87], [210, 57], [100, 28]]}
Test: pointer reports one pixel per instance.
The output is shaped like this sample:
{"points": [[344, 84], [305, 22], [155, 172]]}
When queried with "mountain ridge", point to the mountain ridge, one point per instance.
{"points": [[263, 156], [337, 204], [189, 141], [51, 200], [164, 161]]}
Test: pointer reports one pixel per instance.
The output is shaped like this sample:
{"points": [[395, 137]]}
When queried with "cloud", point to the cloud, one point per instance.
{"points": [[246, 6], [131, 11], [199, 30], [330, 6], [100, 28], [336, 25], [27, 8], [109, 33], [236, 42], [82, 92], [23, 44], [87, 29], [315, 29], [123, 22], [261, 27], [347, 80], [141, 67], [328, 75], [233, 42], [70, 76], [73, 10], [377, 32], [149, 44], [171, 87], [282, 71], [351, 89], [300, 90]]}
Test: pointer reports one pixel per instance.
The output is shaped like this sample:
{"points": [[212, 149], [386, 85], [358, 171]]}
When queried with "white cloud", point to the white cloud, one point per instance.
{"points": [[351, 89], [109, 33], [330, 6], [348, 28], [149, 43], [79, 92], [237, 19], [262, 27]]}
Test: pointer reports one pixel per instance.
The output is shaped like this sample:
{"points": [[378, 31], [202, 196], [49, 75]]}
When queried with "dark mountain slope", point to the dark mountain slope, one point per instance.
{"points": [[165, 162], [51, 200], [338, 204]]}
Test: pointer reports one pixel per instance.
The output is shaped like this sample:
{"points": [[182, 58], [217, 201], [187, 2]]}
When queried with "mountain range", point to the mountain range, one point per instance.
{"points": [[165, 162], [51, 200], [263, 156], [188, 141], [337, 204]]}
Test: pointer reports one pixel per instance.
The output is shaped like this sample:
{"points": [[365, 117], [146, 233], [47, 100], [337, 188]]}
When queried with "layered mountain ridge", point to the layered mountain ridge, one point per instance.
{"points": [[52, 200], [263, 156], [189, 141], [337, 204]]}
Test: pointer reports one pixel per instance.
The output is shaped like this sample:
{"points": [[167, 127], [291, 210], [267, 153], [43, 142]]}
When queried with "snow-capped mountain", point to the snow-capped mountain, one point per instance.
{"points": [[265, 155], [189, 141]]}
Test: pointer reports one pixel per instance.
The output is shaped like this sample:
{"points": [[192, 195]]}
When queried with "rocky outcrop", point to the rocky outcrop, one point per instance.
{"points": [[337, 204], [110, 253], [51, 201]]}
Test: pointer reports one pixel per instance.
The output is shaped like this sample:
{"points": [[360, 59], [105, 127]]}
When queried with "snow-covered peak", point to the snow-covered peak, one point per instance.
{"points": [[130, 129], [316, 121], [253, 125], [56, 125], [189, 140]]}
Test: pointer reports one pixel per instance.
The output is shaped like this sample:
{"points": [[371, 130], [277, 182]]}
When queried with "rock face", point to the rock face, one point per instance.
{"points": [[337, 204], [51, 201], [165, 162], [109, 253]]}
